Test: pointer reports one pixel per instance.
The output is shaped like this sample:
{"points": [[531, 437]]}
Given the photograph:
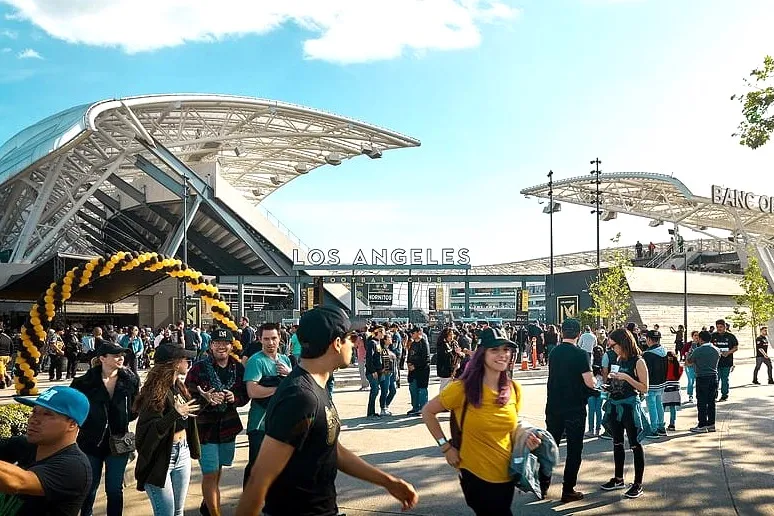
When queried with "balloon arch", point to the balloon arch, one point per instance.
{"points": [[34, 330]]}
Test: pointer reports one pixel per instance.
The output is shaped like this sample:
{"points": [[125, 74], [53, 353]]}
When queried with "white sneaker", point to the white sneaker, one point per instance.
{"points": [[385, 412]]}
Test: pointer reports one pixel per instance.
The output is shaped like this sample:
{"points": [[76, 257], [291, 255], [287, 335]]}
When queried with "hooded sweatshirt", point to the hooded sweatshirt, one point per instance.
{"points": [[656, 360]]}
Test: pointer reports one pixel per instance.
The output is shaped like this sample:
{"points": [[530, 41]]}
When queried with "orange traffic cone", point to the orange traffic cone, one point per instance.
{"points": [[534, 356], [524, 364]]}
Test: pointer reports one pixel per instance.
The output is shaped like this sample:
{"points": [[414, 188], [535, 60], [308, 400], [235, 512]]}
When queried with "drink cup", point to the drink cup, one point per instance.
{"points": [[614, 368]]}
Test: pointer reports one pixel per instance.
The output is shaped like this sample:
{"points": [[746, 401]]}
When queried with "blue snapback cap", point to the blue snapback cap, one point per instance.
{"points": [[62, 400]]}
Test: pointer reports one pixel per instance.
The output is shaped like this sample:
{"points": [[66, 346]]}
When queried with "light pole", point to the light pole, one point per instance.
{"points": [[598, 213], [680, 243], [551, 209]]}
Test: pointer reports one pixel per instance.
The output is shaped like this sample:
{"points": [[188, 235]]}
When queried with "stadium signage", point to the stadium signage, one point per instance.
{"points": [[377, 257], [742, 200]]}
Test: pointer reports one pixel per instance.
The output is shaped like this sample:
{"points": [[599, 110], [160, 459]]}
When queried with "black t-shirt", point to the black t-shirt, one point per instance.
{"points": [[567, 392], [725, 342], [65, 477], [302, 415], [761, 344]]}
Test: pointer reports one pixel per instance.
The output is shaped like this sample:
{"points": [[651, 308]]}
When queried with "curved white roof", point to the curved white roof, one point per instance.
{"points": [[662, 198], [63, 162]]}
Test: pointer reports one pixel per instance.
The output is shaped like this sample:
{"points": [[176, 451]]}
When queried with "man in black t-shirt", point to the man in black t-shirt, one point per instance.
{"points": [[728, 345], [45, 473], [296, 468], [762, 354], [570, 383]]}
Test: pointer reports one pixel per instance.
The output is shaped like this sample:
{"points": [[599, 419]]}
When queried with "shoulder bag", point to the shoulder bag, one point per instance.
{"points": [[455, 429]]}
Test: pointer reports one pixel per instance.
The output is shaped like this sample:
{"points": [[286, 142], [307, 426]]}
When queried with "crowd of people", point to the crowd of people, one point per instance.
{"points": [[600, 384]]}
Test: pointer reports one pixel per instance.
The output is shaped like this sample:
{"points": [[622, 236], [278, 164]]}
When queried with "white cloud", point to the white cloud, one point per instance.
{"points": [[29, 53], [5, 50], [344, 31], [10, 34]]}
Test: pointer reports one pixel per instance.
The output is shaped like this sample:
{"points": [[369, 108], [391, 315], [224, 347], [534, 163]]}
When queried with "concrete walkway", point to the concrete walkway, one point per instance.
{"points": [[726, 473]]}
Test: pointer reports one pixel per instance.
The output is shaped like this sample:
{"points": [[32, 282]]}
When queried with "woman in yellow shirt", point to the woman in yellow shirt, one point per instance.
{"points": [[491, 416]]}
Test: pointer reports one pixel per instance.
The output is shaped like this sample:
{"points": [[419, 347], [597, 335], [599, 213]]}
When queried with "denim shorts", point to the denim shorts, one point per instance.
{"points": [[215, 455]]}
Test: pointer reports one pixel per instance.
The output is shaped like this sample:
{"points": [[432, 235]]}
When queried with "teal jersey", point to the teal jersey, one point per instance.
{"points": [[260, 366]]}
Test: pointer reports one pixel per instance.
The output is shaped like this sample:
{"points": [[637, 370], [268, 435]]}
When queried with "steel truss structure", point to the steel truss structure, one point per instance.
{"points": [[663, 199], [65, 181]]}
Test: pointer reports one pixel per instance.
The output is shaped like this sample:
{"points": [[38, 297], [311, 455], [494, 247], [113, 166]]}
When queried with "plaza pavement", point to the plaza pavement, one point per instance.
{"points": [[726, 473]]}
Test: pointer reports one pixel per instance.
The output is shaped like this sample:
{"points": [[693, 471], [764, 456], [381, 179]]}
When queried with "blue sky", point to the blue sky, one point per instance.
{"points": [[515, 89]]}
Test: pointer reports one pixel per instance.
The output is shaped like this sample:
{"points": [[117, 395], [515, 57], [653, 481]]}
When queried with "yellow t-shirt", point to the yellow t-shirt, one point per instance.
{"points": [[486, 441]]}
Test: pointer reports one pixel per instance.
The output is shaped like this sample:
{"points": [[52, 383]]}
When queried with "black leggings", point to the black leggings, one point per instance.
{"points": [[486, 498], [619, 454]]}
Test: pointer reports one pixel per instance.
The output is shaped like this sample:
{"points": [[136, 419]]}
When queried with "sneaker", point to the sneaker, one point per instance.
{"points": [[635, 491], [203, 509], [723, 398], [671, 428], [690, 399], [386, 412], [711, 428], [590, 434], [606, 436], [771, 382], [572, 496], [661, 432], [756, 382], [652, 435], [383, 413], [700, 429], [613, 484], [413, 412], [374, 416]]}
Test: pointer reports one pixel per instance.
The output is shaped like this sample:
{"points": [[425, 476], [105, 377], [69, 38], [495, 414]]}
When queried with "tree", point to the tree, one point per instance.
{"points": [[756, 305], [758, 124], [611, 294]]}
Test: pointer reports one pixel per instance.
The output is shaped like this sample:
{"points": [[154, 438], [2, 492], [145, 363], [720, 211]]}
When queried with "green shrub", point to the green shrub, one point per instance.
{"points": [[13, 420]]}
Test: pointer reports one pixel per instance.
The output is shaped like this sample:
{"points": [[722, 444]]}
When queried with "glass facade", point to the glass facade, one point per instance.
{"points": [[499, 301]]}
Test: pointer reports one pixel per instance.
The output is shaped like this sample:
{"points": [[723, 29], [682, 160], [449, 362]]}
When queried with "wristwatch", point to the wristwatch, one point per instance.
{"points": [[442, 442]]}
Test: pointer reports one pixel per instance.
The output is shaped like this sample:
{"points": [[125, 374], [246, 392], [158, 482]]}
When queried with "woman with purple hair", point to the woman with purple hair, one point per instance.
{"points": [[485, 405]]}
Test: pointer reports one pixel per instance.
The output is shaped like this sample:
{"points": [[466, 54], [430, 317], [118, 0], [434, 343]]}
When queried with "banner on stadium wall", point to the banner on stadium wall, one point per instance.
{"points": [[380, 294], [566, 307], [432, 300]]}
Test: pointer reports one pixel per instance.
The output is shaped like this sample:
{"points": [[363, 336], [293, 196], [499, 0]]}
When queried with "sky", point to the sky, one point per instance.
{"points": [[498, 92]]}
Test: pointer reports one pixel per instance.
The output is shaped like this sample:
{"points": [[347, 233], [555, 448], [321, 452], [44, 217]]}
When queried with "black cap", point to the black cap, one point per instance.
{"points": [[654, 335], [108, 348], [222, 334], [170, 352], [493, 338], [320, 326]]}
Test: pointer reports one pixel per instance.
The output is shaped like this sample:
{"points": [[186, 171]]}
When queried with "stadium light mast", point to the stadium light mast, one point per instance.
{"points": [[596, 172]]}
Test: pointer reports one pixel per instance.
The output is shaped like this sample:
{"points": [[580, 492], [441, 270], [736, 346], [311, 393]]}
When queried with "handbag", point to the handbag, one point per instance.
{"points": [[120, 444], [455, 429]]}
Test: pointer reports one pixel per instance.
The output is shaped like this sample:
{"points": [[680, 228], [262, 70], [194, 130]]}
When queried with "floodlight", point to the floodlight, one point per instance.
{"points": [[334, 158], [609, 215], [302, 168], [275, 180], [371, 151], [655, 223]]}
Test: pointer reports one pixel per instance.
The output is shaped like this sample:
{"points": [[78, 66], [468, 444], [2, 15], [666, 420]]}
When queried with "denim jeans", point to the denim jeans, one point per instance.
{"points": [[373, 394], [254, 440], [115, 466], [595, 413], [706, 390], [723, 373], [690, 372], [569, 425], [418, 396], [387, 385], [654, 399], [413, 394], [170, 499], [672, 415]]}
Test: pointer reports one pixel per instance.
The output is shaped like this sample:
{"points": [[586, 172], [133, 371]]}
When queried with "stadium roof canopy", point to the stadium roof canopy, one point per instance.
{"points": [[665, 199], [83, 181]]}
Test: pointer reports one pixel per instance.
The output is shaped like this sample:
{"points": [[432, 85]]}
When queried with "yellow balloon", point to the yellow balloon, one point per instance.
{"points": [[89, 267]]}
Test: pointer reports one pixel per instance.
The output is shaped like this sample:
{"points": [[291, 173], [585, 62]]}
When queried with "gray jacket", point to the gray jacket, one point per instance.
{"points": [[527, 467]]}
